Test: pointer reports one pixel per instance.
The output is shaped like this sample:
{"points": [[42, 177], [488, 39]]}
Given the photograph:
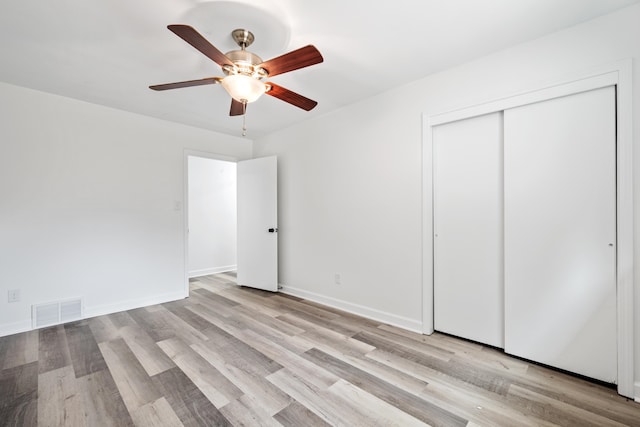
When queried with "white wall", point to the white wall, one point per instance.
{"points": [[350, 181], [212, 216], [91, 203]]}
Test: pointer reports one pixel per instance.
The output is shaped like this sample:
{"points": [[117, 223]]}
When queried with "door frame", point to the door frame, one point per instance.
{"points": [[185, 204], [618, 74]]}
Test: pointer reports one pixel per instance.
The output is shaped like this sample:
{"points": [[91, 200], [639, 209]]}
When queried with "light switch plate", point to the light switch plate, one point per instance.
{"points": [[14, 295]]}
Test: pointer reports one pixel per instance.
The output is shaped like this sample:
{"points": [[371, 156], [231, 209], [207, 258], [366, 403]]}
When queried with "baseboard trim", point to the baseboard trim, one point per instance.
{"points": [[213, 270], [26, 325], [101, 310], [360, 310], [637, 392], [15, 327]]}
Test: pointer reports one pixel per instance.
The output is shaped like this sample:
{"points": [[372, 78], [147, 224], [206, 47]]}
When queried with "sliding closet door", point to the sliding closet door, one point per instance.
{"points": [[468, 266], [560, 231]]}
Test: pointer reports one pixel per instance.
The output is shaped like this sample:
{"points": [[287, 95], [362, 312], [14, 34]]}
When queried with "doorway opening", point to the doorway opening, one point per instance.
{"points": [[211, 216]]}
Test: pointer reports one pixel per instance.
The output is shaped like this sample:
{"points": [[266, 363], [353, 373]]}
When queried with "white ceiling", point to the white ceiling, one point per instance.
{"points": [[109, 52]]}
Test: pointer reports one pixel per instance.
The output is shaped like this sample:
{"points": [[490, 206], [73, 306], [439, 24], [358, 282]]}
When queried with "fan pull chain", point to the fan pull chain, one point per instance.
{"points": [[244, 118]]}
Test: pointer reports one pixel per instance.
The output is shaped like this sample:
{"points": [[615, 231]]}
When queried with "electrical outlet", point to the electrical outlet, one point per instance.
{"points": [[14, 295], [337, 279]]}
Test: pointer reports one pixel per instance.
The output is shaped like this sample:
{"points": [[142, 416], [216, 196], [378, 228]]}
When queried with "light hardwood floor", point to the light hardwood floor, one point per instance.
{"points": [[235, 356]]}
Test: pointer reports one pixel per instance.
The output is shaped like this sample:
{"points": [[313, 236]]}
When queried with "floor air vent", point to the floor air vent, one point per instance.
{"points": [[56, 312]]}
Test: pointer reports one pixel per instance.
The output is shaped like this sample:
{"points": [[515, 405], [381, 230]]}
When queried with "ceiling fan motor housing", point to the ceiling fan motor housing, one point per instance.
{"points": [[245, 63]]}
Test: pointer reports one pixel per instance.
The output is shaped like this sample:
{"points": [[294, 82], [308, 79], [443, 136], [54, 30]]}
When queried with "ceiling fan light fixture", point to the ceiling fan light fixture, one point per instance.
{"points": [[243, 88]]}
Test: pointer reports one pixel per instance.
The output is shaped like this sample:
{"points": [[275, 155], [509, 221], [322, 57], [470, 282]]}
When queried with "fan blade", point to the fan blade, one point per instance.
{"points": [[291, 97], [237, 108], [196, 40], [177, 85], [300, 58]]}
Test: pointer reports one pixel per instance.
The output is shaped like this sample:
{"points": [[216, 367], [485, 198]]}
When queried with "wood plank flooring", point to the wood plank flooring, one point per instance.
{"points": [[236, 356]]}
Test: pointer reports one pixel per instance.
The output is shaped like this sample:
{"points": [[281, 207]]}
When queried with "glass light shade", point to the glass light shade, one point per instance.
{"points": [[243, 88]]}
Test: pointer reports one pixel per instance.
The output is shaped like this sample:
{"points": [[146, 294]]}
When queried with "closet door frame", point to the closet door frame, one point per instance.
{"points": [[618, 74]]}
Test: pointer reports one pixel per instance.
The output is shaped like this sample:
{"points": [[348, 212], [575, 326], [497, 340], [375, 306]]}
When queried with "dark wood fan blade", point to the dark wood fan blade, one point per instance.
{"points": [[188, 83], [237, 108], [300, 58], [291, 97], [196, 40]]}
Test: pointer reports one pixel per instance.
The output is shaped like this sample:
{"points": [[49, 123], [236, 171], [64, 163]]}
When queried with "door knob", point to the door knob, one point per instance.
{"points": [[273, 230]]}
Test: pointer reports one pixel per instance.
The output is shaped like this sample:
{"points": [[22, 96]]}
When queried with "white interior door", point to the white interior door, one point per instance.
{"points": [[257, 223], [468, 258], [560, 233]]}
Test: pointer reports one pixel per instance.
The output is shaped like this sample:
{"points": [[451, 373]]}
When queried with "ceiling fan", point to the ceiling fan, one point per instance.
{"points": [[245, 71]]}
